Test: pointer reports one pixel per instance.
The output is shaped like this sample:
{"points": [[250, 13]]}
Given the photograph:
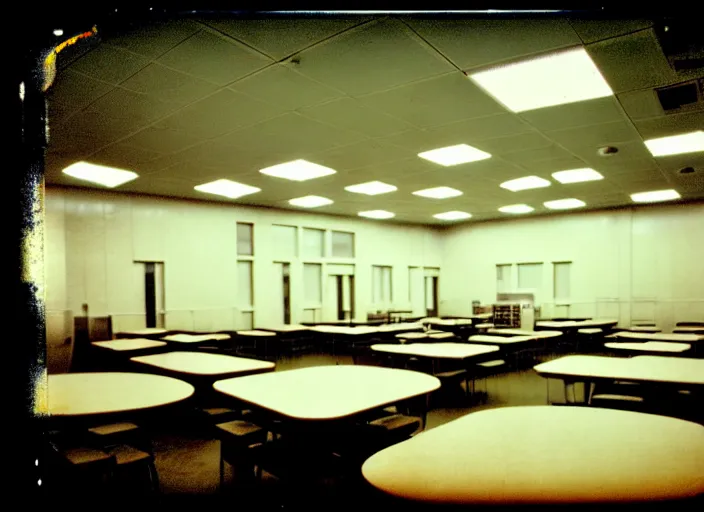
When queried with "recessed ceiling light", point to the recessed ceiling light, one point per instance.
{"points": [[377, 214], [227, 188], [107, 176], [577, 175], [676, 144], [525, 183], [297, 170], [516, 208], [655, 196], [555, 79], [58, 32], [454, 155], [564, 204], [438, 192], [453, 215], [371, 188], [310, 201]]}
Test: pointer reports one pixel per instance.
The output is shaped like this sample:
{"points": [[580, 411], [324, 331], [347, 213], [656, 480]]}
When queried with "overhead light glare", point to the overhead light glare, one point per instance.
{"points": [[107, 176]]}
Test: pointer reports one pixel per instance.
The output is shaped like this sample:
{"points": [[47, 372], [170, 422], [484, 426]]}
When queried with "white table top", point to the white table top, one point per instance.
{"points": [[126, 344], [441, 335], [351, 331], [606, 322], [255, 332], [545, 455], [400, 327], [525, 332], [644, 328], [659, 336], [285, 328], [412, 335], [328, 392], [201, 363], [449, 321], [145, 332], [649, 346], [87, 394], [438, 350], [672, 370], [500, 340], [195, 338], [484, 326], [691, 329]]}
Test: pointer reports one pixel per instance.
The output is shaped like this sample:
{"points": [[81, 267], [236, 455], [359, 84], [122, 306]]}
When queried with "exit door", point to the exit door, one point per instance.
{"points": [[431, 291], [154, 308], [340, 296]]}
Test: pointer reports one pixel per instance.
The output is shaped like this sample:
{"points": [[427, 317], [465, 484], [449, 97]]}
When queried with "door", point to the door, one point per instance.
{"points": [[339, 297], [431, 291], [281, 299], [154, 307]]}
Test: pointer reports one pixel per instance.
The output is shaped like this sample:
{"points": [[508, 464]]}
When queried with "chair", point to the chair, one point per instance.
{"points": [[86, 330], [237, 438], [482, 371], [129, 460]]}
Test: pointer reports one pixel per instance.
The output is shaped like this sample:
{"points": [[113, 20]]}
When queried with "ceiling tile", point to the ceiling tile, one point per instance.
{"points": [[673, 124], [596, 111], [552, 152], [634, 61], [220, 113], [677, 162], [472, 43], [436, 101], [292, 132], [161, 140], [123, 157], [109, 64], [168, 85], [360, 154], [590, 30], [595, 136], [280, 38], [550, 165], [214, 58], [641, 104], [281, 85], [514, 143], [136, 108], [351, 114], [376, 57], [154, 38], [73, 91]]}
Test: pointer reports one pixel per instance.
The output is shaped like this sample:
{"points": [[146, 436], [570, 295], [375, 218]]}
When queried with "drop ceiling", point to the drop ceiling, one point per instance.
{"points": [[190, 101]]}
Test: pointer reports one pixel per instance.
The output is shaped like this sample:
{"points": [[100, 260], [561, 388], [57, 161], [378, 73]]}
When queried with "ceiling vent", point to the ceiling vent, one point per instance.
{"points": [[682, 43], [683, 97]]}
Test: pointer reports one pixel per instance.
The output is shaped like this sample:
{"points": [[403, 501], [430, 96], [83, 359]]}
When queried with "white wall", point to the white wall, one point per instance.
{"points": [[642, 263], [94, 239]]}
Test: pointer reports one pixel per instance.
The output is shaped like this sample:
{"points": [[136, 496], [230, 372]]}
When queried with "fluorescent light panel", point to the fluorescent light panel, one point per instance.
{"points": [[454, 155], [377, 214], [310, 201], [227, 188], [555, 79], [655, 196], [676, 144], [525, 183], [100, 174], [516, 208], [438, 192], [297, 170], [577, 175], [564, 204], [454, 215], [371, 188]]}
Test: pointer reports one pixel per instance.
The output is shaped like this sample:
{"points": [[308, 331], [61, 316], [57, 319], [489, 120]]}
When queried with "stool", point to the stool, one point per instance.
{"points": [[587, 338], [236, 439], [129, 458], [484, 370], [105, 436]]}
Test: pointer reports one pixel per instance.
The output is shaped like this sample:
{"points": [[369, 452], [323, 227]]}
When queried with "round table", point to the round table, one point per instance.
{"points": [[80, 395], [545, 455]]}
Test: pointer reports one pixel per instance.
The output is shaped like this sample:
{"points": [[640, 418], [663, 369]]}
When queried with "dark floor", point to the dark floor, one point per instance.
{"points": [[189, 466], [187, 461]]}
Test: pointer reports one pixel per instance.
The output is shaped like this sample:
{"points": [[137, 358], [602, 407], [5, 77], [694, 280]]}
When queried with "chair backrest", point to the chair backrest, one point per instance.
{"points": [[100, 328]]}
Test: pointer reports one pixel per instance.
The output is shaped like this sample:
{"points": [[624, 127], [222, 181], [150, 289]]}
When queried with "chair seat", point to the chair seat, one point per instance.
{"points": [[624, 398], [125, 454], [397, 423], [113, 429], [451, 374], [241, 430], [590, 330], [492, 364], [84, 456]]}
